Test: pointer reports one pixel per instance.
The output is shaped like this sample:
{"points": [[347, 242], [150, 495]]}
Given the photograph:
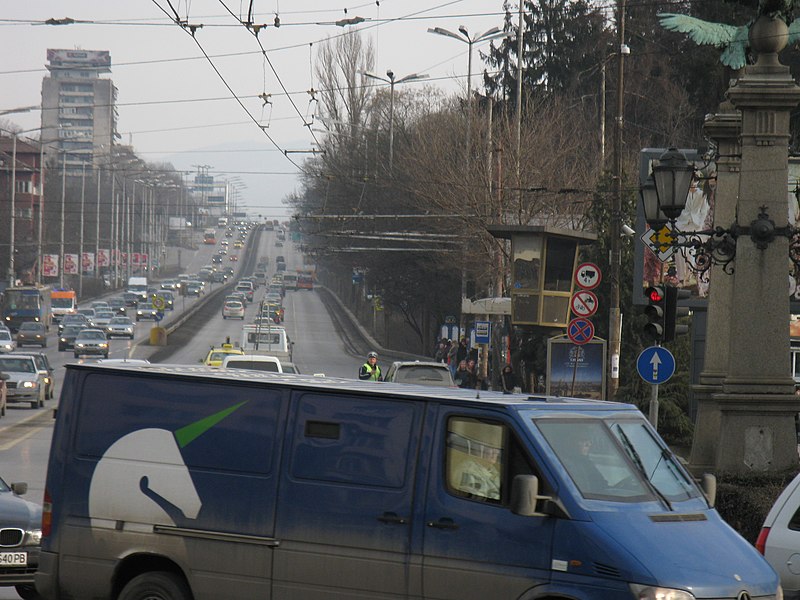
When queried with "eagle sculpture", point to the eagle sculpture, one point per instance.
{"points": [[732, 39]]}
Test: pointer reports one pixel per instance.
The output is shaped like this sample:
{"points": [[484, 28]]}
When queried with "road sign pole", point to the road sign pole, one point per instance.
{"points": [[653, 416]]}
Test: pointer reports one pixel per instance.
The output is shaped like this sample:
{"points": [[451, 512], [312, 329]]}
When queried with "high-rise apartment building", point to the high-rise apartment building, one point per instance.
{"points": [[79, 117]]}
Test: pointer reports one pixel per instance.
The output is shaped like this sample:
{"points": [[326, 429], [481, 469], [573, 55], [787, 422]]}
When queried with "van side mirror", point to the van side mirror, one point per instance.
{"points": [[19, 488], [709, 486], [525, 495]]}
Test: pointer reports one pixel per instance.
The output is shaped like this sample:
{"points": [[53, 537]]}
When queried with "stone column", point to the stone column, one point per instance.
{"points": [[757, 404], [723, 128]]}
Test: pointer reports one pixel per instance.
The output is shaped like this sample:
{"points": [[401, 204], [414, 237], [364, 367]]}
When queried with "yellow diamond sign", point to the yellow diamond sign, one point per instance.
{"points": [[660, 242]]}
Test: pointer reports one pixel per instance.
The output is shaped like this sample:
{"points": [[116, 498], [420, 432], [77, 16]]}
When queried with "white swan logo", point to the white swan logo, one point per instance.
{"points": [[142, 477]]}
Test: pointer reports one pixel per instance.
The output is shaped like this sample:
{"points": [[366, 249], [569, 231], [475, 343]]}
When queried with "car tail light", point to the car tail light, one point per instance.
{"points": [[761, 542], [47, 515]]}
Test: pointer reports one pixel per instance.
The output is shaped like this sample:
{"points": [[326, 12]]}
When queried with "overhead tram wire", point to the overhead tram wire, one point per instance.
{"points": [[249, 27], [238, 100]]}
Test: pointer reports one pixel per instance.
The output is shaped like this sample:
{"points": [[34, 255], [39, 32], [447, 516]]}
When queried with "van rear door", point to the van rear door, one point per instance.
{"points": [[474, 546], [346, 498]]}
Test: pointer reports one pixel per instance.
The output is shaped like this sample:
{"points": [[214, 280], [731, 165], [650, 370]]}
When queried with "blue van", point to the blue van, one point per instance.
{"points": [[196, 483]]}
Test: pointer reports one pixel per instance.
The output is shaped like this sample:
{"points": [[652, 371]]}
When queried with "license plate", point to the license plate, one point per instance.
{"points": [[13, 559]]}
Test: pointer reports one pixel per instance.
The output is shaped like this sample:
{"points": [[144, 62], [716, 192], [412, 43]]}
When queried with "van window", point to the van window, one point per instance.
{"points": [[258, 365], [352, 440], [481, 459], [244, 441]]}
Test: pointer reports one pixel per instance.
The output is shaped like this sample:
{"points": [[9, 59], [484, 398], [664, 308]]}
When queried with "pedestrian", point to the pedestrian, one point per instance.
{"points": [[441, 351], [370, 371], [461, 377], [508, 379], [461, 352], [452, 360], [472, 375]]}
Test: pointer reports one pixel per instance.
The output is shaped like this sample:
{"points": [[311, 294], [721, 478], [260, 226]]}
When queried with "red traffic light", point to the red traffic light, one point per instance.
{"points": [[654, 293]]}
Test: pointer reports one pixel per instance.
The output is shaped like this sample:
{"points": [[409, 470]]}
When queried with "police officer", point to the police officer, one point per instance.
{"points": [[370, 371]]}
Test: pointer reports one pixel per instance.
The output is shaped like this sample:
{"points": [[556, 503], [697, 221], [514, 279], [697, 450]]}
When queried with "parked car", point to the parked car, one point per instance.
{"points": [[422, 373], [21, 523], [66, 339], [7, 342], [779, 540], [91, 342], [146, 311], [233, 309], [120, 327], [25, 382], [32, 334]]}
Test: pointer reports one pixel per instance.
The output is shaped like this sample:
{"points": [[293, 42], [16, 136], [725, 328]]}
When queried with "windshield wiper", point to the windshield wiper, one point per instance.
{"points": [[639, 465]]}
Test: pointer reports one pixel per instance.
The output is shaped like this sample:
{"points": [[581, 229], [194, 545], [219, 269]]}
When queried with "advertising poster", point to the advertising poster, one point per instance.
{"points": [[143, 257], [70, 264], [135, 259], [115, 257], [123, 259], [576, 371], [87, 262], [50, 265], [103, 258]]}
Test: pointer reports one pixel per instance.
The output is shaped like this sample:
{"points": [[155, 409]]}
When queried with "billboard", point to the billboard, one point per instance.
{"points": [[103, 258], [87, 262], [576, 371], [50, 265], [70, 264]]}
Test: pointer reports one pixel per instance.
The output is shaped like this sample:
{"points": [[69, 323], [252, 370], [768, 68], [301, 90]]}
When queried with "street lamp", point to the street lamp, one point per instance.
{"points": [[392, 81], [491, 34]]}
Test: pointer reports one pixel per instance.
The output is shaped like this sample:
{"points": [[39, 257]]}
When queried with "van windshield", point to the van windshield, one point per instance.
{"points": [[617, 459]]}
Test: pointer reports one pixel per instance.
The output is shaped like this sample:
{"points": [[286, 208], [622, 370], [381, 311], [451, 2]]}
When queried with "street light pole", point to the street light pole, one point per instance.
{"points": [[392, 81], [11, 266], [63, 203], [491, 34]]}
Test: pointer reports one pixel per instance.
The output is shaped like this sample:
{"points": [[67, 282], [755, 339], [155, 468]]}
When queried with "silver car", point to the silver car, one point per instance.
{"points": [[22, 537], [25, 381], [91, 342], [120, 327], [7, 343], [421, 373]]}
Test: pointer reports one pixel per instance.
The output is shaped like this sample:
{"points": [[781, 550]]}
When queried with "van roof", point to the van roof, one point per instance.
{"points": [[355, 386]]}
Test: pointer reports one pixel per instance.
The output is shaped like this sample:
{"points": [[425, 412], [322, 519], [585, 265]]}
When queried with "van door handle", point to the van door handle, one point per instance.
{"points": [[443, 523], [390, 517]]}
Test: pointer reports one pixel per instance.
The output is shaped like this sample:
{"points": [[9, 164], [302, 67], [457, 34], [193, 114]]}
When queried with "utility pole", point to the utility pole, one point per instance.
{"points": [[614, 315]]}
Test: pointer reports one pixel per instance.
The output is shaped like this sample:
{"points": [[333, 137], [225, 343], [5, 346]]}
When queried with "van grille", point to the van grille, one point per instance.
{"points": [[11, 537], [606, 570]]}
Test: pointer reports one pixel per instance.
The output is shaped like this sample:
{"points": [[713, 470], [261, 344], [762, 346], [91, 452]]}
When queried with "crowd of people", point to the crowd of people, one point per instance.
{"points": [[462, 362]]}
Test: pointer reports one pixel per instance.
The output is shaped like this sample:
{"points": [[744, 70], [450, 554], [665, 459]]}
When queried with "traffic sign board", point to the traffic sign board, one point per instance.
{"points": [[159, 303], [583, 303], [482, 332], [655, 365], [660, 242], [580, 331], [588, 276]]}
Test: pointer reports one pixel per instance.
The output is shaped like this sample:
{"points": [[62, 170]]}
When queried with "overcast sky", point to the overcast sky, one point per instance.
{"points": [[174, 107]]}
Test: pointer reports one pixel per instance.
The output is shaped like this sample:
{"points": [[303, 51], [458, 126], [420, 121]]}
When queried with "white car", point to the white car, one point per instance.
{"points": [[233, 309], [779, 540], [120, 326], [103, 318], [7, 343]]}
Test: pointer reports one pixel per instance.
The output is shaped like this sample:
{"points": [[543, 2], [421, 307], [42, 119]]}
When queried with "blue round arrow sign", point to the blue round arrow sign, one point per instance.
{"points": [[655, 365]]}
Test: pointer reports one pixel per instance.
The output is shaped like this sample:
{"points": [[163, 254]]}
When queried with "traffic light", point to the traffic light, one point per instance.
{"points": [[673, 312], [655, 310]]}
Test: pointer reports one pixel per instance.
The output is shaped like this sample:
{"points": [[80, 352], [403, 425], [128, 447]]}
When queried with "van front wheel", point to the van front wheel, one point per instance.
{"points": [[158, 585]]}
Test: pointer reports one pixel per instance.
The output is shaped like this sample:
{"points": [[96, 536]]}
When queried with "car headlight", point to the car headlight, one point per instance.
{"points": [[646, 592], [104, 345], [79, 345], [30, 384], [33, 537], [63, 339]]}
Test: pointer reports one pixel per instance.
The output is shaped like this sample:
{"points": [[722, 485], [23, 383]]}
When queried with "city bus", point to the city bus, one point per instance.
{"points": [[210, 237], [25, 303]]}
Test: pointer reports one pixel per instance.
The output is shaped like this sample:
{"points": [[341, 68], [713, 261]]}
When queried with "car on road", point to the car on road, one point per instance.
{"points": [[167, 297], [246, 288], [169, 284], [120, 327], [21, 523], [103, 318], [254, 362], [217, 354], [7, 342], [233, 309], [66, 339], [131, 299], [118, 305], [238, 244], [81, 321], [89, 313], [218, 277], [25, 382], [779, 540], [47, 371], [146, 311], [422, 373], [91, 342], [32, 334], [233, 258], [216, 259], [194, 288]]}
